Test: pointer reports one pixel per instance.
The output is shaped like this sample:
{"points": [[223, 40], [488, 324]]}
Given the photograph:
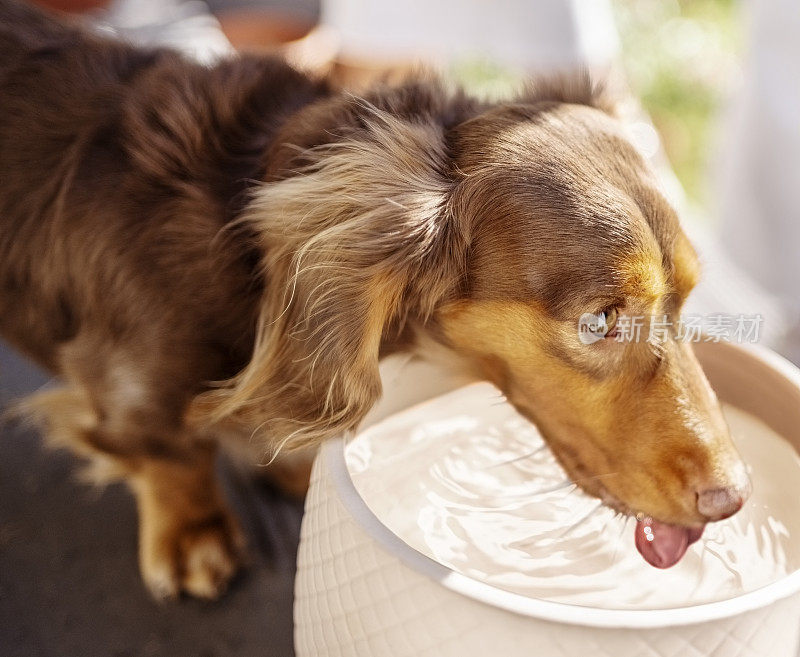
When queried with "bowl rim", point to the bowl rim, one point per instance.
{"points": [[333, 456]]}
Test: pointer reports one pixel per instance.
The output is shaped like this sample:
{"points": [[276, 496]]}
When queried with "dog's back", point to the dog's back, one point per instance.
{"points": [[51, 77], [119, 168], [24, 29]]}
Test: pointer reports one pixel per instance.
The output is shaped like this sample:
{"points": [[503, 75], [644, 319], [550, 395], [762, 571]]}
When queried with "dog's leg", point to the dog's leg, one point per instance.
{"points": [[126, 416], [188, 539]]}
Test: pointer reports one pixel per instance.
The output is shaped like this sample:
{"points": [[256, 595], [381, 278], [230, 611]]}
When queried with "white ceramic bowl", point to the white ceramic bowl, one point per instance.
{"points": [[362, 591]]}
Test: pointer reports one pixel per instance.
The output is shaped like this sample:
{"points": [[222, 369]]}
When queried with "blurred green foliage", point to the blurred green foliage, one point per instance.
{"points": [[681, 58]]}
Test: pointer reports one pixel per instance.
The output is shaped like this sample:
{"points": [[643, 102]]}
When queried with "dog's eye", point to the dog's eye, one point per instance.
{"points": [[608, 318], [593, 327]]}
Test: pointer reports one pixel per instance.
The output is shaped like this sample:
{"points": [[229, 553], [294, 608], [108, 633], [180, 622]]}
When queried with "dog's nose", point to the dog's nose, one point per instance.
{"points": [[721, 503]]}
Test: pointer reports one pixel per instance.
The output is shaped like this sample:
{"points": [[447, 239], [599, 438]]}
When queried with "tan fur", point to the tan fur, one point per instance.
{"points": [[609, 433], [188, 538]]}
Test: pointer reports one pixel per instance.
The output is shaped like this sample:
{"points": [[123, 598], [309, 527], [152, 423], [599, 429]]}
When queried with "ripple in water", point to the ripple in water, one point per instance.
{"points": [[467, 481]]}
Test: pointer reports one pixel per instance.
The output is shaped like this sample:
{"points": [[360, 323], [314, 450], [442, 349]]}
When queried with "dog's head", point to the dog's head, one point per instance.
{"points": [[493, 230], [569, 229]]}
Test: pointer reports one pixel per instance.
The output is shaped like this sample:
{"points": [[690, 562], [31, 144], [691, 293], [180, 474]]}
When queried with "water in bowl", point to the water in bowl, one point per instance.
{"points": [[467, 481]]}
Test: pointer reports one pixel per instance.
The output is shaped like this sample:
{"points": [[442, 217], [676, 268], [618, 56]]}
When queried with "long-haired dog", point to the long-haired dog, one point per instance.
{"points": [[166, 225]]}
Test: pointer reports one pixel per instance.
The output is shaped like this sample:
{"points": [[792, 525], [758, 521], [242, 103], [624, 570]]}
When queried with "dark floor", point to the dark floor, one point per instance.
{"points": [[69, 585]]}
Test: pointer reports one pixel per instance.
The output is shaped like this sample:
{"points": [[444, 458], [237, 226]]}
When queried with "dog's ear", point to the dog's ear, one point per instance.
{"points": [[362, 237]]}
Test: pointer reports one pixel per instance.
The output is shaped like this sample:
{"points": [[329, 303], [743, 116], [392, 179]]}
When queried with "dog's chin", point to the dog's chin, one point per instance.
{"points": [[661, 535], [661, 544]]}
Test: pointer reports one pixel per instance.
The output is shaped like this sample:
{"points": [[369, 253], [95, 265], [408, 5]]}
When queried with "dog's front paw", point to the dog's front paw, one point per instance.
{"points": [[197, 558]]}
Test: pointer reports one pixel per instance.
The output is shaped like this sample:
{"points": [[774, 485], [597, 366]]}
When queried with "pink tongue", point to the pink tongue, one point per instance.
{"points": [[663, 545]]}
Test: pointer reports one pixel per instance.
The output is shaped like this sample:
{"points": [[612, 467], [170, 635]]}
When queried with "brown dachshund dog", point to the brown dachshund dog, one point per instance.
{"points": [[204, 252]]}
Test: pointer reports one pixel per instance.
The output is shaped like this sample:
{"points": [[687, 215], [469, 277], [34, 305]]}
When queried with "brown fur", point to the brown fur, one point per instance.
{"points": [[164, 226]]}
